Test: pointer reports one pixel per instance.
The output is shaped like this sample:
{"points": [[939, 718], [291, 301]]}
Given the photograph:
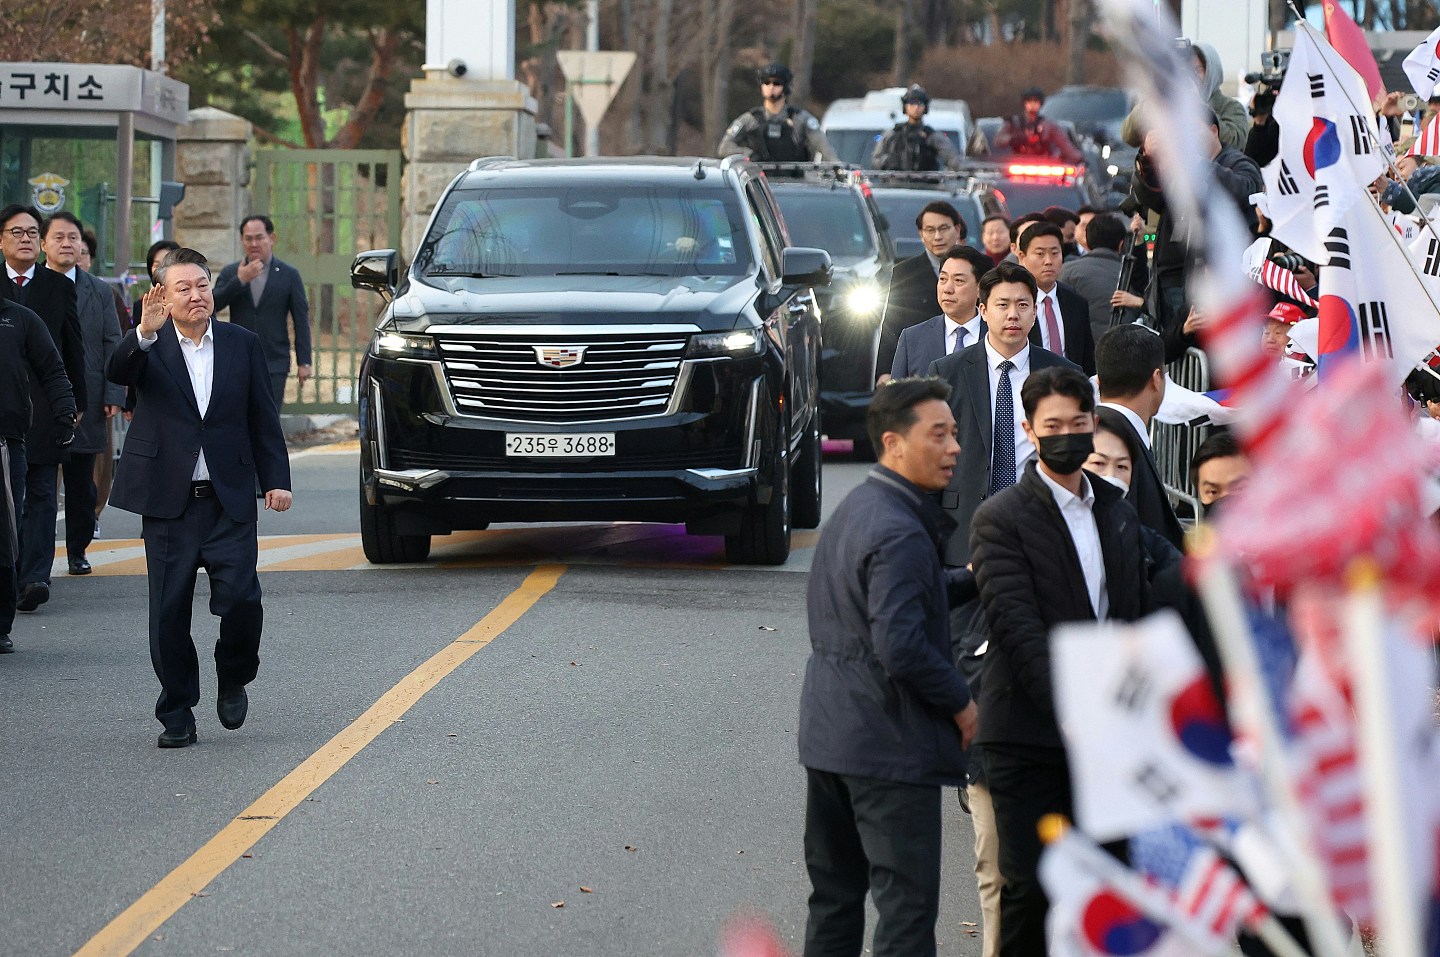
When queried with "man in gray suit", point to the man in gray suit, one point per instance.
{"points": [[985, 382], [62, 241], [959, 324], [263, 295]]}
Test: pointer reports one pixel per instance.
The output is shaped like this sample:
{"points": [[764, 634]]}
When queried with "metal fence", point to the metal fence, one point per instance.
{"points": [[1174, 445]]}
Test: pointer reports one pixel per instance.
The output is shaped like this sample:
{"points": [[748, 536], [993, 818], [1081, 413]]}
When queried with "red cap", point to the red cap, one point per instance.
{"points": [[1286, 312]]}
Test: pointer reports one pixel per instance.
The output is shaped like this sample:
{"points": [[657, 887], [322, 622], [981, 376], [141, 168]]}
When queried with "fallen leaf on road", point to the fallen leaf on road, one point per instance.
{"points": [[247, 855], [586, 890], [766, 628], [557, 904], [199, 894], [739, 852], [968, 923], [452, 734], [433, 781], [574, 664], [631, 847]]}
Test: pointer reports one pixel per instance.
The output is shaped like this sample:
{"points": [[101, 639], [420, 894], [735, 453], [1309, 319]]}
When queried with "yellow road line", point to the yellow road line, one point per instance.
{"points": [[137, 922]]}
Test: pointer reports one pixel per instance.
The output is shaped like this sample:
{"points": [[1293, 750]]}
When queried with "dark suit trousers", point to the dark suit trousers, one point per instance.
{"points": [[175, 549], [79, 475], [277, 388], [15, 479], [864, 834], [37, 524], [1026, 783]]}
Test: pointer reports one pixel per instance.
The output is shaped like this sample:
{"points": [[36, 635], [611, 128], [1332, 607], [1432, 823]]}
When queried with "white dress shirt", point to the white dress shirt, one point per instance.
{"points": [[1137, 423], [1024, 451], [200, 363], [1040, 298], [1079, 514], [29, 274], [972, 334]]}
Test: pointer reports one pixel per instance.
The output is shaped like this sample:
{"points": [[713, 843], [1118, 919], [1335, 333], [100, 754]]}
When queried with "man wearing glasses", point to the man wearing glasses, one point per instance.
{"points": [[776, 132], [913, 283], [52, 297]]}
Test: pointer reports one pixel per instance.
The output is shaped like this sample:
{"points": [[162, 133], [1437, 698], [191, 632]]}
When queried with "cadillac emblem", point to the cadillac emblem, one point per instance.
{"points": [[559, 357]]}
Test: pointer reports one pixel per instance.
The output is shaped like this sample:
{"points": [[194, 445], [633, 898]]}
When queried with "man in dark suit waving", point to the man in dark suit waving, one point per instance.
{"points": [[1131, 373], [1062, 315], [985, 382], [264, 294], [205, 429]]}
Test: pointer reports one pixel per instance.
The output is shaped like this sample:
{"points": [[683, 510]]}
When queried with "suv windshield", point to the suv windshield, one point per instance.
{"points": [[595, 229], [1089, 109], [829, 219]]}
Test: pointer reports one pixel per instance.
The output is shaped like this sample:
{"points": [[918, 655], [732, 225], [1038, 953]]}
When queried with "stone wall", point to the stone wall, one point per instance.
{"points": [[448, 123], [212, 159]]}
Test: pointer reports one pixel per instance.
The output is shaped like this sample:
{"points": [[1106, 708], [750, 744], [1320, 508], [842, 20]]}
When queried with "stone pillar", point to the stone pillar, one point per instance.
{"points": [[449, 122], [212, 159]]}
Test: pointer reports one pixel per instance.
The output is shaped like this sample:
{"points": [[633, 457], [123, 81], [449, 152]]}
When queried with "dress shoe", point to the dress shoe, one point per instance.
{"points": [[6, 645], [32, 596], [232, 705], [181, 738], [80, 566]]}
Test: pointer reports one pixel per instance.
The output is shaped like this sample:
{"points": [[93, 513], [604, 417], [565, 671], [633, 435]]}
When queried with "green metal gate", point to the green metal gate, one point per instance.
{"points": [[328, 205]]}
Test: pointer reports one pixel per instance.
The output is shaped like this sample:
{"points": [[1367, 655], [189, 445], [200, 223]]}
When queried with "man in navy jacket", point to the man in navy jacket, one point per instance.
{"points": [[205, 430], [884, 714]]}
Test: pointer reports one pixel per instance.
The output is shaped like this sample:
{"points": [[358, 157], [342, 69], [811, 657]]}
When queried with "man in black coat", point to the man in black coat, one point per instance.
{"points": [[1060, 312], [1056, 547], [265, 295], [1007, 303], [205, 432], [52, 297], [913, 297], [28, 357], [884, 714], [1131, 374]]}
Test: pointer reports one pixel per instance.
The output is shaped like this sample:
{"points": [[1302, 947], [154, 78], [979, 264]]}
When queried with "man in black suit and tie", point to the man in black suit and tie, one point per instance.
{"points": [[1062, 316], [205, 431], [263, 294], [959, 324], [912, 296], [985, 382], [52, 297], [1131, 361]]}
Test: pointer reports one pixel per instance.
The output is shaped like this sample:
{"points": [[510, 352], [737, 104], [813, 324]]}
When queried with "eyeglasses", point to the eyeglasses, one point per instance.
{"points": [[936, 230], [19, 233]]}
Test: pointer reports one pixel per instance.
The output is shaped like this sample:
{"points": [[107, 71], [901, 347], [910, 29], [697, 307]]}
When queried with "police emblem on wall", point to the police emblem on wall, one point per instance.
{"points": [[48, 192]]}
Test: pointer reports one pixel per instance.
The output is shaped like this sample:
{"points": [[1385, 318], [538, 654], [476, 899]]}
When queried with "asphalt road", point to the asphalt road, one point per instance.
{"points": [[437, 756]]}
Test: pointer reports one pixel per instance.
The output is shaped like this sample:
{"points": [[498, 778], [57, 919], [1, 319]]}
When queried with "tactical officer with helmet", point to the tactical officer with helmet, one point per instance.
{"points": [[913, 145], [776, 132]]}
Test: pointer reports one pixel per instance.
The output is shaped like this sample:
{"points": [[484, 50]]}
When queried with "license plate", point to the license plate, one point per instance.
{"points": [[558, 446]]}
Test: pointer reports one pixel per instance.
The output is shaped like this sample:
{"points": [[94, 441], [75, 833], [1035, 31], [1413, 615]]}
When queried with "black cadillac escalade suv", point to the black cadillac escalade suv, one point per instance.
{"points": [[594, 340]]}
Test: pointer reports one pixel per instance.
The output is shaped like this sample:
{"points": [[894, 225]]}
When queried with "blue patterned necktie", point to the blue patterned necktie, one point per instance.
{"points": [[1002, 463]]}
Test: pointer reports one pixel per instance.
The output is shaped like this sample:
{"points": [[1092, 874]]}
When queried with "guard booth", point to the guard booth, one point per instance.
{"points": [[98, 141]]}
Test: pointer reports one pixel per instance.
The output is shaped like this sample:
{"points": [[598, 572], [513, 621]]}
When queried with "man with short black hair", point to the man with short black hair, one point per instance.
{"points": [[959, 324], [1062, 323], [50, 296], [1219, 468], [913, 297], [1096, 275], [1130, 364], [1069, 222], [62, 240], [1051, 549], [884, 714], [265, 295], [995, 238]]}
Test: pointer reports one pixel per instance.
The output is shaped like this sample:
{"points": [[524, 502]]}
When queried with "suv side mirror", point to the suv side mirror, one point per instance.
{"points": [[377, 270], [804, 266]]}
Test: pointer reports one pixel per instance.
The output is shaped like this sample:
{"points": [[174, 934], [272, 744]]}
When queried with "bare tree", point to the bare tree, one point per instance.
{"points": [[717, 18], [660, 130], [803, 60], [1078, 24], [904, 18]]}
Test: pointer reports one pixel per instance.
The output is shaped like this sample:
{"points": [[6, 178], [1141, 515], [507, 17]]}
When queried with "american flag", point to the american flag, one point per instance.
{"points": [[1428, 142], [1276, 277], [1205, 888]]}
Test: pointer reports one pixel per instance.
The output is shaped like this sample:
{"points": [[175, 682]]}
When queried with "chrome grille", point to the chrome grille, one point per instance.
{"points": [[622, 375]]}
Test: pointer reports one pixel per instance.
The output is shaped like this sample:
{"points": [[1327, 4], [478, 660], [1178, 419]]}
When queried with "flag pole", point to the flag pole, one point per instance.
{"points": [[1254, 712], [1396, 897]]}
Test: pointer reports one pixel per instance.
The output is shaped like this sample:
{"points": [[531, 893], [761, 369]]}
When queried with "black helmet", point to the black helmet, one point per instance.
{"points": [[776, 71], [916, 94], [1033, 93]]}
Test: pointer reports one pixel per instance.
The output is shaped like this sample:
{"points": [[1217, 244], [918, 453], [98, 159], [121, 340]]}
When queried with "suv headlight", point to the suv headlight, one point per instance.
{"points": [[864, 299], [401, 345], [742, 342]]}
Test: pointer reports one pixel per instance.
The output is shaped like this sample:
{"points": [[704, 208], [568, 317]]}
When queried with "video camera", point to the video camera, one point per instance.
{"points": [[1273, 64]]}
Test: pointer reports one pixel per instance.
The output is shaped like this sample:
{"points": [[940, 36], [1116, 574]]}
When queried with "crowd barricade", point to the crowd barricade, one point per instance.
{"points": [[1174, 445]]}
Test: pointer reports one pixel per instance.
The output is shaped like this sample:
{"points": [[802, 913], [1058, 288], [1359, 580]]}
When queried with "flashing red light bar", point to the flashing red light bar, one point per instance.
{"points": [[1041, 171]]}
